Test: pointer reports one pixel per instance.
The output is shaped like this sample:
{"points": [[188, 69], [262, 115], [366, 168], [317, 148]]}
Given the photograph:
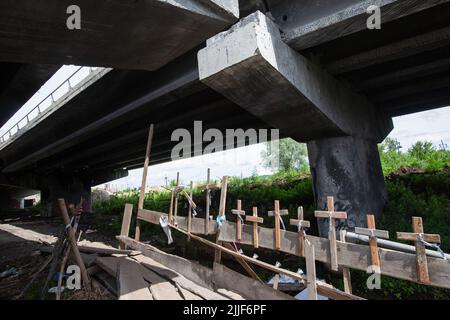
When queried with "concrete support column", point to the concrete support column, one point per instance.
{"points": [[349, 169], [70, 189]]}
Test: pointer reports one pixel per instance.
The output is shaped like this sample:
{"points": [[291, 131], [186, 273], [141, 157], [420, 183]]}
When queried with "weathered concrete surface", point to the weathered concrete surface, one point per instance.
{"points": [[349, 169], [124, 34], [251, 65], [308, 23]]}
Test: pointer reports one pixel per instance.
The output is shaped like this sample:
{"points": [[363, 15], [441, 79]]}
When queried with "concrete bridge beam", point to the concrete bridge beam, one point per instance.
{"points": [[157, 32], [252, 66]]}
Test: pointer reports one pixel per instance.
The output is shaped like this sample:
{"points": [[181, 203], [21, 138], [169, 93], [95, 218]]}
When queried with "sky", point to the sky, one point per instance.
{"points": [[430, 125]]}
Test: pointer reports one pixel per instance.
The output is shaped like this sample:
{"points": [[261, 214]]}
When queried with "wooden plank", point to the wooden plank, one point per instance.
{"points": [[373, 241], [190, 210], [245, 286], [230, 294], [126, 222], [332, 235], [311, 271], [396, 264], [160, 288], [197, 224], [186, 294], [208, 204], [346, 271], [131, 283], [341, 295], [277, 225], [243, 263], [144, 179], [201, 277], [174, 275], [222, 209], [421, 257], [108, 281], [175, 206], [194, 272], [106, 251], [377, 233]]}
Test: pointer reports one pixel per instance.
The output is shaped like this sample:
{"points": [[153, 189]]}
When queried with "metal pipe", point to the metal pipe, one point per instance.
{"points": [[395, 245]]}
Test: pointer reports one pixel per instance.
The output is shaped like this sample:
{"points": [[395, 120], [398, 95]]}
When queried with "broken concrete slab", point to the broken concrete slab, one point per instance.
{"points": [[120, 34], [252, 66]]}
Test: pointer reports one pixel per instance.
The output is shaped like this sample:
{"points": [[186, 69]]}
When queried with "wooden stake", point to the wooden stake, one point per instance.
{"points": [[418, 237], [238, 212], [172, 200], [73, 243], [126, 221], [373, 234], [301, 224], [332, 215], [222, 205], [311, 271], [255, 220], [208, 203], [175, 212], [137, 235], [190, 211], [345, 270]]}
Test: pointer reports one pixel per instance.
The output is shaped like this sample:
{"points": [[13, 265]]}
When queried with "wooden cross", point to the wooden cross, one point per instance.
{"points": [[239, 213], [332, 215], [277, 213], [255, 220], [373, 234], [301, 224], [419, 237]]}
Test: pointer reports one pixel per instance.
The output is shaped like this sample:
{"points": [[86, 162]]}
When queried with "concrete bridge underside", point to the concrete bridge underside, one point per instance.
{"points": [[310, 68]]}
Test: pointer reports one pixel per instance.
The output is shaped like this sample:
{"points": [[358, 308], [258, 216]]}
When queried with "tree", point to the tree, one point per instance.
{"points": [[389, 145], [291, 155], [421, 150]]}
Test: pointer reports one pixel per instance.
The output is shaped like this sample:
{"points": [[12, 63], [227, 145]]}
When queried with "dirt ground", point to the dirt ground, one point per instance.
{"points": [[21, 237]]}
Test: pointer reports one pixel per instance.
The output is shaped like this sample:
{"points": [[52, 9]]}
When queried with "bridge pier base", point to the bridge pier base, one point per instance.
{"points": [[72, 191], [349, 169]]}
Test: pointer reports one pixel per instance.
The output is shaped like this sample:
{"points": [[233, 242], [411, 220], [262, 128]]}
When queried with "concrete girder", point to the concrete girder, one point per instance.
{"points": [[252, 66], [134, 34], [309, 23]]}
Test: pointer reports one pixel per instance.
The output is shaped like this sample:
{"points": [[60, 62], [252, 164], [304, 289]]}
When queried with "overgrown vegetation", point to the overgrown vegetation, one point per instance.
{"points": [[418, 183]]}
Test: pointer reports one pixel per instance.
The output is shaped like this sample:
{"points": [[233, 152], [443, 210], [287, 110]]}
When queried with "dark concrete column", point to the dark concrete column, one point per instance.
{"points": [[61, 187], [349, 169]]}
